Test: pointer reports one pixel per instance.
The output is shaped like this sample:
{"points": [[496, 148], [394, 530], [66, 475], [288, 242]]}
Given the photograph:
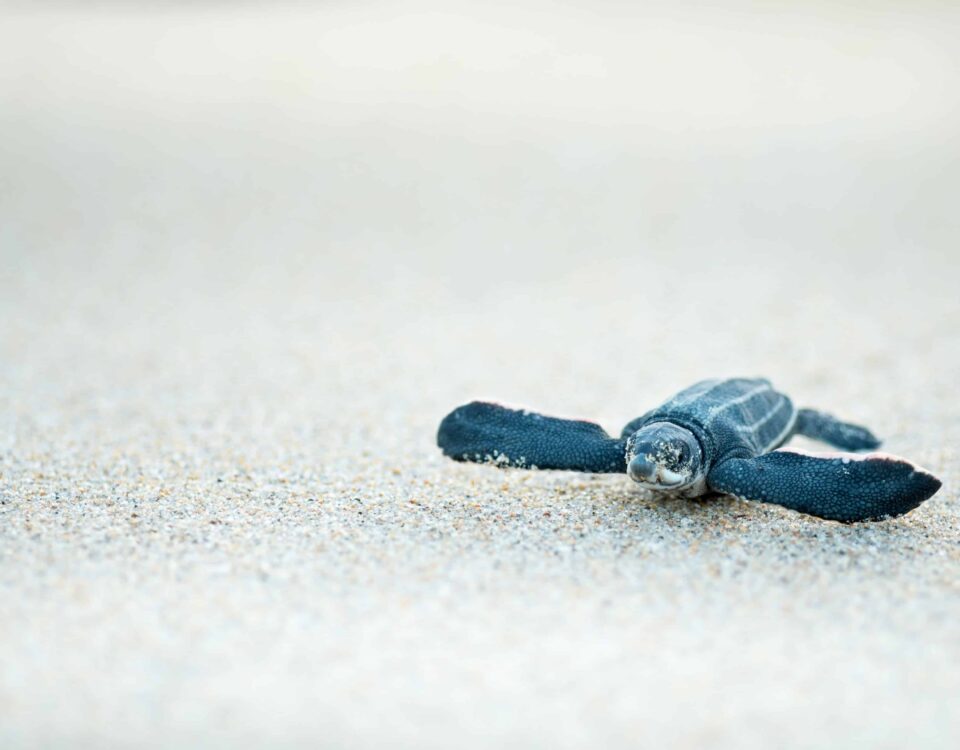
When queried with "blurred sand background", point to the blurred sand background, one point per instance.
{"points": [[251, 253]]}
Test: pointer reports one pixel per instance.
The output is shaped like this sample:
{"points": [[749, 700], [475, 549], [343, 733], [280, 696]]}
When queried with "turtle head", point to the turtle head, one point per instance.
{"points": [[664, 456]]}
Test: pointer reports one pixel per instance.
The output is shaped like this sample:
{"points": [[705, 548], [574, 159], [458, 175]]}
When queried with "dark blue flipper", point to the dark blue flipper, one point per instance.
{"points": [[823, 427], [483, 432], [836, 486]]}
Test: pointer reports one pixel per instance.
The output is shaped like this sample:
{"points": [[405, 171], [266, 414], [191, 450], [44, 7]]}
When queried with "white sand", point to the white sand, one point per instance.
{"points": [[249, 261]]}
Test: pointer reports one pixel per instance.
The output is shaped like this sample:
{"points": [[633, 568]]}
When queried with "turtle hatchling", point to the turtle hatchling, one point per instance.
{"points": [[716, 437]]}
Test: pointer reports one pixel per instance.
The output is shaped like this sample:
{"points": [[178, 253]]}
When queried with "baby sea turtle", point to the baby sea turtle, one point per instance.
{"points": [[718, 436]]}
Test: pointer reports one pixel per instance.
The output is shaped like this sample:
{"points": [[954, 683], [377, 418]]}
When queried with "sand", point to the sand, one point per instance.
{"points": [[239, 294]]}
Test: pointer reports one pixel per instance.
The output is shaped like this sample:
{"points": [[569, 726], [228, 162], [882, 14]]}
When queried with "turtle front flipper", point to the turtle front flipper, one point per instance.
{"points": [[819, 426], [845, 487], [490, 433]]}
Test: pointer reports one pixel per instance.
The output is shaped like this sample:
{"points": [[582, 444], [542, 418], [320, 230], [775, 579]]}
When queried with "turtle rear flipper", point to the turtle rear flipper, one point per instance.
{"points": [[819, 426], [843, 487], [489, 433]]}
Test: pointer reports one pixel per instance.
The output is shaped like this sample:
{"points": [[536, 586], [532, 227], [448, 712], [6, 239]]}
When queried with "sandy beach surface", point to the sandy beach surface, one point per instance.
{"points": [[251, 257]]}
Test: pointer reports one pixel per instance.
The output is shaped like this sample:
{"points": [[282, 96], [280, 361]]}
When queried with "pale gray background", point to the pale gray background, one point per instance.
{"points": [[252, 253]]}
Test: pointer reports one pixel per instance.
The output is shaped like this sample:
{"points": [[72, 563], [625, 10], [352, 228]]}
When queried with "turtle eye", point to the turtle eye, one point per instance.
{"points": [[683, 454]]}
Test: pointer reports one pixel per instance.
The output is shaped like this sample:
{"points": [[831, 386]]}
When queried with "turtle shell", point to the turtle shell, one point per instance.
{"points": [[738, 417]]}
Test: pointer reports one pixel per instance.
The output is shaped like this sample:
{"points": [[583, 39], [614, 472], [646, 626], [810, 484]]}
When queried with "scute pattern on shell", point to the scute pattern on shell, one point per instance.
{"points": [[734, 417]]}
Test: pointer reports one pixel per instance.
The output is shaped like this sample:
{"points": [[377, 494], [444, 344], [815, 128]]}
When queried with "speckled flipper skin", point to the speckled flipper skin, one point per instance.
{"points": [[484, 432], [837, 487], [819, 426]]}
